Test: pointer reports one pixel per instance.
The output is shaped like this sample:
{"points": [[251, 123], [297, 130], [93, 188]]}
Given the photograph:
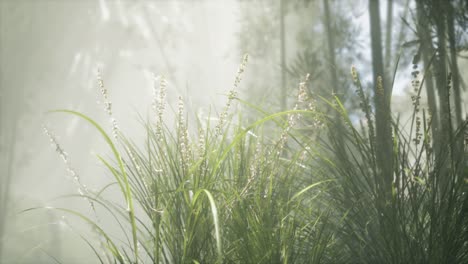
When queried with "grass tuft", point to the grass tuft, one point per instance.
{"points": [[286, 188]]}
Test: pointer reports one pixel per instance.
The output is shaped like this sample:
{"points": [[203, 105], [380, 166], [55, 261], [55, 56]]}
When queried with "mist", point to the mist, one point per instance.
{"points": [[54, 55]]}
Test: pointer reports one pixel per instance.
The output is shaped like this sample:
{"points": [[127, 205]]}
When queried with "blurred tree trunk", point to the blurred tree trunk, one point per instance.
{"points": [[427, 52], [403, 27], [334, 81], [458, 152], [9, 133], [388, 41], [439, 14], [454, 65], [283, 56], [384, 141], [331, 51]]}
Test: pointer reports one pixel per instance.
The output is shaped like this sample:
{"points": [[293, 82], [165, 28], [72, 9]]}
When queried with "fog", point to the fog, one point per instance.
{"points": [[51, 51]]}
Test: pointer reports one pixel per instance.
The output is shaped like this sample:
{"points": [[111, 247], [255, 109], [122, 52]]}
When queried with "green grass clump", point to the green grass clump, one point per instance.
{"points": [[288, 188], [421, 216], [218, 193]]}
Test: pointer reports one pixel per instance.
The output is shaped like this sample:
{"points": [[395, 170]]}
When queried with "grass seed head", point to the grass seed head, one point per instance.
{"points": [[107, 104], [159, 104]]}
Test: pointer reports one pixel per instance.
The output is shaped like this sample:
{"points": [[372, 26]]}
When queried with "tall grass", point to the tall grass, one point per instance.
{"points": [[422, 216], [284, 189], [214, 193]]}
